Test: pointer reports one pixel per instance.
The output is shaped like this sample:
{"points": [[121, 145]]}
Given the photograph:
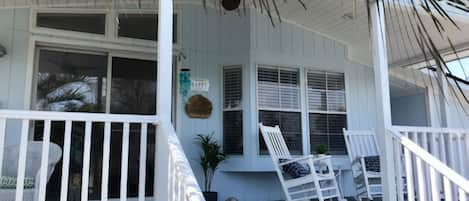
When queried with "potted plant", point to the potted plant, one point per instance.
{"points": [[321, 149], [210, 159]]}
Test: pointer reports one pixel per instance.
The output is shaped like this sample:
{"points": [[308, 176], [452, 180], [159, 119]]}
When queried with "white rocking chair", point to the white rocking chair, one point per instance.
{"points": [[360, 144], [319, 184]]}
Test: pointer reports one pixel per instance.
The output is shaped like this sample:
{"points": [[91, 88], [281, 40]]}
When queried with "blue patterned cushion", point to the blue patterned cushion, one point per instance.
{"points": [[372, 163], [295, 169]]}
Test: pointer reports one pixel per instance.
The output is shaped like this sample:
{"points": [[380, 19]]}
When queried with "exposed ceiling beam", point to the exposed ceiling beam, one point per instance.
{"points": [[447, 53]]}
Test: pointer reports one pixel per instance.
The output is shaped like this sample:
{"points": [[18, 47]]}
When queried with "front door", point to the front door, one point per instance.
{"points": [[96, 82]]}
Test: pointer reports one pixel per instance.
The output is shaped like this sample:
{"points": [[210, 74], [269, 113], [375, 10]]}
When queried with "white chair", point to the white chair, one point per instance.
{"points": [[360, 144], [33, 164], [319, 184]]}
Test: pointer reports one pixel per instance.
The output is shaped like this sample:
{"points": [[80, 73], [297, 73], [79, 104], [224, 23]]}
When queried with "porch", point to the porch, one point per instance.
{"points": [[308, 76]]}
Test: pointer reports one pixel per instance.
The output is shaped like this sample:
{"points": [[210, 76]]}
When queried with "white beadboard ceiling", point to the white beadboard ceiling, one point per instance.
{"points": [[343, 20]]}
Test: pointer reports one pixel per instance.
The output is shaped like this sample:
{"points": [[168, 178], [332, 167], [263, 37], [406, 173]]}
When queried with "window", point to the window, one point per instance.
{"points": [[87, 23], [141, 26], [327, 111], [133, 88], [232, 110], [278, 96], [71, 82]]}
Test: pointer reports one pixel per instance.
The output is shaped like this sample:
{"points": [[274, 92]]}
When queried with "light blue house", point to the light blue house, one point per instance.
{"points": [[84, 75]]}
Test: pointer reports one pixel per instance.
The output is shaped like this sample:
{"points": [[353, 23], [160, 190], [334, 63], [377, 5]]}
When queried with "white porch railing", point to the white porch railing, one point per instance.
{"points": [[182, 181], [422, 176]]}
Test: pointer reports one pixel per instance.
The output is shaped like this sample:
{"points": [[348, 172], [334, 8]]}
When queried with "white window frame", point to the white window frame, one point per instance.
{"points": [[300, 110], [111, 31], [327, 112], [239, 108]]}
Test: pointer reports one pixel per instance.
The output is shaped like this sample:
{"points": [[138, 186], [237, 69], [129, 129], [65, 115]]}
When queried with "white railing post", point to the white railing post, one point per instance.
{"points": [[164, 97], [380, 63]]}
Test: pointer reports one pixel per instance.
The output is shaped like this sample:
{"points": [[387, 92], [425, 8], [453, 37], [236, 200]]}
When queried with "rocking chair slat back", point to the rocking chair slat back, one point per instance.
{"points": [[361, 143], [275, 143]]}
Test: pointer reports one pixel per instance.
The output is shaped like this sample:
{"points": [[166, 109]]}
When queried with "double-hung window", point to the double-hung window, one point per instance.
{"points": [[278, 96], [232, 110], [327, 111]]}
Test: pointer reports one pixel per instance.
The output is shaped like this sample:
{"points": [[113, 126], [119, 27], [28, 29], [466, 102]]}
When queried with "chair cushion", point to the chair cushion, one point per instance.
{"points": [[295, 169], [372, 163], [7, 182]]}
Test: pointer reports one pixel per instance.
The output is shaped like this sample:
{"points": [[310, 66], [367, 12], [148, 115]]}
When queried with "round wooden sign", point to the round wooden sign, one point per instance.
{"points": [[198, 107]]}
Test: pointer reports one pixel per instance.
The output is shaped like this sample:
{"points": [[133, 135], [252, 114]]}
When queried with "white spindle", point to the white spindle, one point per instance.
{"points": [[106, 152], [398, 168], [66, 160], [44, 160], [422, 192], [462, 195], [124, 162], [434, 185], [460, 154], [22, 160], [448, 190], [86, 161], [143, 160], [3, 124], [409, 174]]}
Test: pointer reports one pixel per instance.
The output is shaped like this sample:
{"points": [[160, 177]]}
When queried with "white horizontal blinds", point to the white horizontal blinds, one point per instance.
{"points": [[327, 110], [232, 110], [232, 87], [335, 92], [326, 91], [278, 88], [278, 97]]}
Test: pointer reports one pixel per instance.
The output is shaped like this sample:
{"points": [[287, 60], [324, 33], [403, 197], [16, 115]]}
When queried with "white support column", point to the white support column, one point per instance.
{"points": [[443, 96], [380, 63], [163, 103]]}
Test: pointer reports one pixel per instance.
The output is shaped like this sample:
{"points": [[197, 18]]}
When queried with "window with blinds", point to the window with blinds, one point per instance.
{"points": [[278, 97], [327, 110], [232, 110]]}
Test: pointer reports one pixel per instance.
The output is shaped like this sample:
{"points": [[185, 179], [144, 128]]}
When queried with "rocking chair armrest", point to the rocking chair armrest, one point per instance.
{"points": [[303, 158]]}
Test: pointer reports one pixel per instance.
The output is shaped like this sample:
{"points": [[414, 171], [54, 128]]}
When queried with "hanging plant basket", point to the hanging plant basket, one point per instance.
{"points": [[230, 4]]}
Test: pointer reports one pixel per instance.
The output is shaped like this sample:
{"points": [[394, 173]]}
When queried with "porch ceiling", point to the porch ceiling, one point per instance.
{"points": [[348, 23], [343, 20]]}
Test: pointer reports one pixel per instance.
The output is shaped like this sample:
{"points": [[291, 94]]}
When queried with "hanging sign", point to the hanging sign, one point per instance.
{"points": [[200, 85]]}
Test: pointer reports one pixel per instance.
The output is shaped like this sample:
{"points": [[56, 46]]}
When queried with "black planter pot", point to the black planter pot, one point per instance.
{"points": [[210, 196]]}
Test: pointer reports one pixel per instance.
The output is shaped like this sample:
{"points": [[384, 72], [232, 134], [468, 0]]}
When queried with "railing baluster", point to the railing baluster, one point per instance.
{"points": [[447, 187], [398, 167], [124, 161], [460, 155], [462, 195], [434, 185], [44, 160], [409, 175], [66, 160], [3, 124], [22, 160], [86, 161], [143, 161], [422, 191], [106, 152]]}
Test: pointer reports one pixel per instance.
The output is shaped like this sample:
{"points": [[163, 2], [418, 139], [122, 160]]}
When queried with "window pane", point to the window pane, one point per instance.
{"points": [[232, 87], [327, 129], [71, 82], [290, 125], [233, 132], [142, 26], [133, 86], [88, 23]]}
